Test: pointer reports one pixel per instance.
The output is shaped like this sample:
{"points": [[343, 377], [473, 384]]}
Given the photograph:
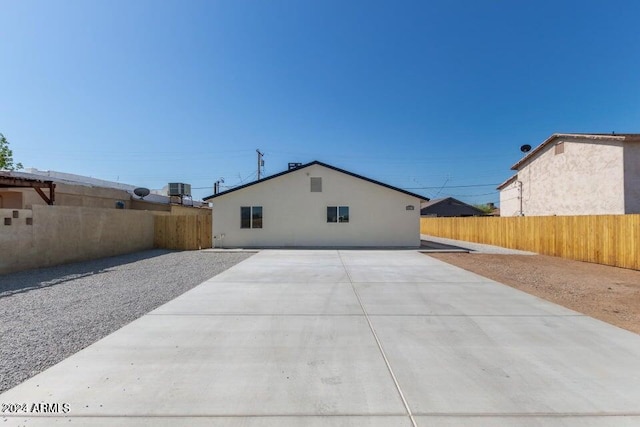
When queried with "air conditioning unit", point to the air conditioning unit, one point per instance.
{"points": [[179, 189]]}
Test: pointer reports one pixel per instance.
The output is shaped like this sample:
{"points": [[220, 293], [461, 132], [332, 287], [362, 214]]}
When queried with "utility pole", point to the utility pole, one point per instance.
{"points": [[260, 162]]}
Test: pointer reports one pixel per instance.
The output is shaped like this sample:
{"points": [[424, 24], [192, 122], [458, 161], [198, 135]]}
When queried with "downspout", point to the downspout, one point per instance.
{"points": [[520, 197]]}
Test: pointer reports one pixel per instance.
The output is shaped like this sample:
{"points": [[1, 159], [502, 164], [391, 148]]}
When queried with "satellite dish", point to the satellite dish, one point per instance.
{"points": [[141, 192], [525, 148]]}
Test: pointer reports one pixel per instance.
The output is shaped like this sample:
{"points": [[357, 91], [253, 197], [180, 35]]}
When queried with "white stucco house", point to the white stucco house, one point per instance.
{"points": [[316, 205], [576, 174]]}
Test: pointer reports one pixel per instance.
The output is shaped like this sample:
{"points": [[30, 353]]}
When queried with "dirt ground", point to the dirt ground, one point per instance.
{"points": [[610, 294]]}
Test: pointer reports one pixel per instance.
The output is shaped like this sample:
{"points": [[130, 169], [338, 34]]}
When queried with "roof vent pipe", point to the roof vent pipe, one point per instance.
{"points": [[294, 165]]}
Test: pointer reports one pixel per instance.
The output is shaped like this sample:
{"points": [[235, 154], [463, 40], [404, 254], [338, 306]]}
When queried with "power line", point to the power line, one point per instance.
{"points": [[473, 195], [450, 186]]}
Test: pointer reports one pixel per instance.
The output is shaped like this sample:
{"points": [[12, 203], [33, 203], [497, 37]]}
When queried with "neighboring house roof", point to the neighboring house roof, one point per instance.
{"points": [[448, 206], [594, 137], [316, 162], [73, 179], [9, 180], [10, 177], [507, 182], [86, 181]]}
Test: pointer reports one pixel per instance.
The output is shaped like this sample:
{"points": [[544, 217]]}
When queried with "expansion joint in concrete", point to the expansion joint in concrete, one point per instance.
{"points": [[379, 344]]}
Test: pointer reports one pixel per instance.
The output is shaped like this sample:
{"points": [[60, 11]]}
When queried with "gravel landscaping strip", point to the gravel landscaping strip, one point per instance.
{"points": [[48, 314]]}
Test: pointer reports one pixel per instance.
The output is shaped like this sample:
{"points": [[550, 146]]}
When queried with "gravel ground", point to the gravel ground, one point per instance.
{"points": [[48, 314], [610, 294]]}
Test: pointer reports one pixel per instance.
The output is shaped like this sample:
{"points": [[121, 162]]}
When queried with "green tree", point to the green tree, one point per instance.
{"points": [[6, 156], [484, 208]]}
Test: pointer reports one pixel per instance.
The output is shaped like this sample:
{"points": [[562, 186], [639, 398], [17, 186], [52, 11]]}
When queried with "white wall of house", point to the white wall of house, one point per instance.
{"points": [[632, 177], [587, 178], [295, 216], [510, 200]]}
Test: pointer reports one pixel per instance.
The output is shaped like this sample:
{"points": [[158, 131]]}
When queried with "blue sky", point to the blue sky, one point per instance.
{"points": [[432, 96]]}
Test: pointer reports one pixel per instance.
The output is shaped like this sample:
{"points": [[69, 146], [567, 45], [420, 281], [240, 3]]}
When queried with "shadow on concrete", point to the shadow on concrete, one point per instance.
{"points": [[39, 278], [429, 246]]}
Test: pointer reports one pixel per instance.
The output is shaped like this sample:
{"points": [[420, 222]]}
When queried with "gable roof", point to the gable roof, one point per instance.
{"points": [[436, 201], [451, 204], [316, 162], [594, 137], [507, 182]]}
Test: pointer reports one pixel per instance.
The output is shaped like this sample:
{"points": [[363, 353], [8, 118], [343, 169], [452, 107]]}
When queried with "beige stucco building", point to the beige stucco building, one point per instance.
{"points": [[316, 205], [576, 174], [80, 191]]}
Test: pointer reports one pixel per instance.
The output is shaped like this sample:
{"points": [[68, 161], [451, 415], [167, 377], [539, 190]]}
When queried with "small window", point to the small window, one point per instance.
{"points": [[256, 217], [337, 213], [316, 185], [559, 148], [245, 217], [251, 217], [343, 214], [332, 214]]}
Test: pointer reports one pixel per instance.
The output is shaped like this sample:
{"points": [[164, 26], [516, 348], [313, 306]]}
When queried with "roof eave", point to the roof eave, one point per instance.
{"points": [[553, 137], [316, 162], [507, 182]]}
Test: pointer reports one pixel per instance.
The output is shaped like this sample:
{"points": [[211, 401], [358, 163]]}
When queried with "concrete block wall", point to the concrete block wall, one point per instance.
{"points": [[64, 234]]}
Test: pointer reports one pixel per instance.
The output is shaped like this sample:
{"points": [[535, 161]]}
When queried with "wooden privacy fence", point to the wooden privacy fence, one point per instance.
{"points": [[603, 239], [183, 232]]}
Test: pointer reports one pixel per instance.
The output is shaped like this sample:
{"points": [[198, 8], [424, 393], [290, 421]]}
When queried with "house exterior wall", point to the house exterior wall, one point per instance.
{"points": [[632, 177], [586, 179], [510, 200], [295, 216], [10, 200], [90, 197], [78, 195]]}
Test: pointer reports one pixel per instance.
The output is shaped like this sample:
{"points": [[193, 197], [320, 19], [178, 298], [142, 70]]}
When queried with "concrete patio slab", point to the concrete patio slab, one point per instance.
{"points": [[223, 365], [527, 421], [428, 273], [393, 338], [454, 299], [237, 421], [398, 258], [516, 365], [297, 258], [265, 298], [284, 273]]}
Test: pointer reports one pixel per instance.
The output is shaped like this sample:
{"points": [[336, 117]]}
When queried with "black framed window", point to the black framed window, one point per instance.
{"points": [[343, 214], [337, 214], [256, 217], [251, 217], [245, 217], [332, 214]]}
